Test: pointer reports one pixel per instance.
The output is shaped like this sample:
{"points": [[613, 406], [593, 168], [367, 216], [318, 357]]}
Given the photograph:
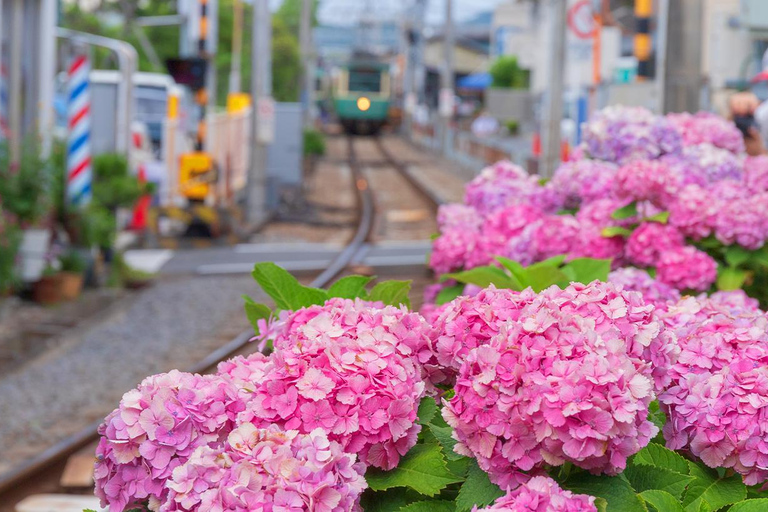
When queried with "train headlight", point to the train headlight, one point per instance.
{"points": [[363, 103]]}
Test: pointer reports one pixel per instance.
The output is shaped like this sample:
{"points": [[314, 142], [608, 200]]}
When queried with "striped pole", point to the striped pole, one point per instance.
{"points": [[643, 11], [5, 130], [79, 169], [201, 96]]}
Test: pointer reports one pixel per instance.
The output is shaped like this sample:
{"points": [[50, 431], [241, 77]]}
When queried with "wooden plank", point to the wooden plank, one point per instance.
{"points": [[78, 473], [58, 503]]}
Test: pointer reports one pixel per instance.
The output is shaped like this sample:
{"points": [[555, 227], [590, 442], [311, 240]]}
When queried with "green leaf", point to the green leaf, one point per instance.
{"points": [[758, 505], [448, 294], [350, 287], [662, 501], [255, 312], [427, 410], [429, 506], [735, 255], [392, 293], [729, 278], [586, 270], [485, 276], [625, 212], [601, 505], [423, 469], [476, 490], [646, 478], [612, 231], [615, 490], [540, 278], [656, 415], [459, 466], [708, 487], [554, 261], [661, 457], [661, 218], [516, 269], [444, 435], [388, 501], [284, 289]]}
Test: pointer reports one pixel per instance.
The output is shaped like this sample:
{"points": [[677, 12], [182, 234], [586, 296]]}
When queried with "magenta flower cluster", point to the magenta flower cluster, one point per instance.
{"points": [[155, 429], [707, 128], [541, 494], [270, 470], [347, 367], [569, 380]]}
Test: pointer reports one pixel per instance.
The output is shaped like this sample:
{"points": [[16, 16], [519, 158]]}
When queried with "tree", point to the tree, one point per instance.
{"points": [[506, 73], [290, 13]]}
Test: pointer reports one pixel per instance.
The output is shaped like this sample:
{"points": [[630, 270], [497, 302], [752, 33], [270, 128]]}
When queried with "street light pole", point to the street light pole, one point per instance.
{"points": [[553, 113], [447, 79], [308, 68]]}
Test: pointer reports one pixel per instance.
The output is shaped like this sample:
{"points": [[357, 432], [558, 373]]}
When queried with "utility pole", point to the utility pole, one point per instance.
{"points": [[553, 110], [261, 92], [445, 106], [661, 55], [413, 87], [308, 59], [235, 74]]}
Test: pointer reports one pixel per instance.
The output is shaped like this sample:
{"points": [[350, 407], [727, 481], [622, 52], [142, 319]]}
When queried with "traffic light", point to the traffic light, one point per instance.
{"points": [[190, 71]]}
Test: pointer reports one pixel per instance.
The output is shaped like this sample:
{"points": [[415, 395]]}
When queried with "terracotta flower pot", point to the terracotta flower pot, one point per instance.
{"points": [[71, 285], [47, 290]]}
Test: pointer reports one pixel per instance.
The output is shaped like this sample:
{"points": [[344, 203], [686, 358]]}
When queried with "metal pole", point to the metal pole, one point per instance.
{"points": [[46, 74], [15, 83], [235, 75], [447, 78], [661, 55], [260, 61], [553, 112], [308, 82], [642, 47]]}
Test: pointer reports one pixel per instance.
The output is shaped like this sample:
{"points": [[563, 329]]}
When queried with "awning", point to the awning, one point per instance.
{"points": [[476, 81]]}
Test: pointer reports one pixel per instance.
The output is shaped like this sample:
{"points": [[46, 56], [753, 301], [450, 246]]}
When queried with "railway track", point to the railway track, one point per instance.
{"points": [[42, 473]]}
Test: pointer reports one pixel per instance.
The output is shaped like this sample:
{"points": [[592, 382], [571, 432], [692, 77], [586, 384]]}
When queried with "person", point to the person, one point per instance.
{"points": [[747, 106], [484, 125]]}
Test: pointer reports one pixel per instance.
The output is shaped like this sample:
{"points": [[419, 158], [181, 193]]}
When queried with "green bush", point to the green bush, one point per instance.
{"points": [[314, 143], [512, 126], [113, 185], [24, 185], [73, 261], [507, 74]]}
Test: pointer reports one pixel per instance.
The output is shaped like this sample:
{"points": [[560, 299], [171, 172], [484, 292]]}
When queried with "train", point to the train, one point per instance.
{"points": [[361, 96]]}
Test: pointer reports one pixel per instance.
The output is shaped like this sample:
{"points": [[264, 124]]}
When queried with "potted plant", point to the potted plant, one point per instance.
{"points": [[73, 267], [47, 289]]}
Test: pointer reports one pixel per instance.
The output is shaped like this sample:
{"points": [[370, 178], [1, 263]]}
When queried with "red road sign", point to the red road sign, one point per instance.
{"points": [[581, 20]]}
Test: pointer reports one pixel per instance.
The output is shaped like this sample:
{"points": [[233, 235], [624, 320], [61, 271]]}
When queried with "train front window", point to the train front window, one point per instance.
{"points": [[364, 81]]}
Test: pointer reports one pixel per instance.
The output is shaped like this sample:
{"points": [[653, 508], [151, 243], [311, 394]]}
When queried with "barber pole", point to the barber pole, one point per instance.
{"points": [[4, 128], [79, 169]]}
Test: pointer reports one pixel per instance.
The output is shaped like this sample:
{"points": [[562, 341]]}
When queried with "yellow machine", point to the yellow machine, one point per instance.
{"points": [[196, 173]]}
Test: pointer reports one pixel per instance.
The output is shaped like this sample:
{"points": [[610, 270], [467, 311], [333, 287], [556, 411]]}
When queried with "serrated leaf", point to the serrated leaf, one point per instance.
{"points": [[612, 231], [388, 501], [515, 268], [427, 410], [485, 276], [444, 435], [350, 287], [661, 218], [735, 255], [625, 212], [446, 295], [729, 278], [615, 490], [662, 457], [392, 293], [756, 505], [586, 270], [477, 489], [662, 501], [429, 506], [255, 312], [284, 289], [423, 469], [708, 487], [645, 478]]}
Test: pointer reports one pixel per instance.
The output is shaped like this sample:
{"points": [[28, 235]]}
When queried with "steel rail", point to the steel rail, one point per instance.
{"points": [[403, 169]]}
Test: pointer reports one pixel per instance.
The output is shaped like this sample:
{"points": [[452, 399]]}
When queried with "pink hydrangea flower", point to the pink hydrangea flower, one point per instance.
{"points": [[583, 181], [268, 469], [686, 268], [553, 235], [541, 494], [155, 429], [706, 127], [498, 186], [756, 173], [456, 248], [649, 240], [469, 322], [349, 368], [504, 228], [693, 212], [460, 216], [592, 244], [646, 180], [637, 280], [568, 380], [743, 221], [600, 213]]}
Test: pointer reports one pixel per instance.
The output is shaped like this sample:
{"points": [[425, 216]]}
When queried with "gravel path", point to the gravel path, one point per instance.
{"points": [[173, 324]]}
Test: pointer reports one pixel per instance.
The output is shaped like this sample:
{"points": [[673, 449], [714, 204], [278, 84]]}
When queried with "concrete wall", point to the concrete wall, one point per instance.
{"points": [[507, 104]]}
